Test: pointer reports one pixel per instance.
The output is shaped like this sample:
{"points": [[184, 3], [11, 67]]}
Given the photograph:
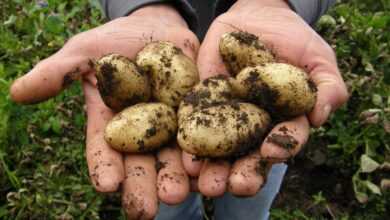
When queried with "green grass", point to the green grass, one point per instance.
{"points": [[43, 173]]}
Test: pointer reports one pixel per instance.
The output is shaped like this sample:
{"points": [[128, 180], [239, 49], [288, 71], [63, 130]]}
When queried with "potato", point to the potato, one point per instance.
{"points": [[283, 90], [141, 128], [223, 130], [242, 49], [172, 73], [120, 83], [211, 91]]}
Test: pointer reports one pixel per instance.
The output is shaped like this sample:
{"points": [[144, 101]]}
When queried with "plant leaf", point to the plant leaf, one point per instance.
{"points": [[372, 187], [367, 164]]}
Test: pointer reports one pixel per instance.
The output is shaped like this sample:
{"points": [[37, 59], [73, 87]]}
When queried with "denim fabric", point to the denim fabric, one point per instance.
{"points": [[190, 209], [229, 207]]}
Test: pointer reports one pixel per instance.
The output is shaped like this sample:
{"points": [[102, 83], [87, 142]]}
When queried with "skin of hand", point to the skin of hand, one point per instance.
{"points": [[293, 41], [142, 185]]}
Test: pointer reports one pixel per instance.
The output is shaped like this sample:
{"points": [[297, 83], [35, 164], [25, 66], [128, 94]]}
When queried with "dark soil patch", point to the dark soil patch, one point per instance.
{"points": [[70, 77], [283, 140], [305, 178], [106, 79], [150, 132], [247, 38], [160, 165]]}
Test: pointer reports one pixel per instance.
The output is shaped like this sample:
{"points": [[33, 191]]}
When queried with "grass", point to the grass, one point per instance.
{"points": [[43, 173]]}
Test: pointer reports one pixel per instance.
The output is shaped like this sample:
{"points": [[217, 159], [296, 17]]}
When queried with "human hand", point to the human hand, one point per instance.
{"points": [[292, 41], [107, 167]]}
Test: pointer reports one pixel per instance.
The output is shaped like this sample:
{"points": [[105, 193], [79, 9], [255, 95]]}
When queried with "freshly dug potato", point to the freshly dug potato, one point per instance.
{"points": [[212, 91], [141, 128], [172, 73], [242, 49], [120, 83], [283, 90], [223, 130]]}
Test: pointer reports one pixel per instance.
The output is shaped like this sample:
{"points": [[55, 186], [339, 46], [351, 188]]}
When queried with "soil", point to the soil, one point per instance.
{"points": [[70, 77], [306, 177], [283, 140], [160, 165], [260, 93], [261, 168], [245, 37], [141, 146], [312, 86], [150, 132]]}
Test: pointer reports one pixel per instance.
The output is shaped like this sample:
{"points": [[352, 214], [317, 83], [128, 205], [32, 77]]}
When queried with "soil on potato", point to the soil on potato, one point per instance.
{"points": [[260, 93], [107, 76], [312, 86], [248, 39]]}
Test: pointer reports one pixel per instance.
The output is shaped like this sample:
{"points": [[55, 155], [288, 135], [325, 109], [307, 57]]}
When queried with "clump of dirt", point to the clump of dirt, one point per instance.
{"points": [[150, 132], [261, 168], [160, 165], [285, 141], [141, 146], [260, 93], [245, 37], [247, 144], [312, 86], [107, 76], [70, 77]]}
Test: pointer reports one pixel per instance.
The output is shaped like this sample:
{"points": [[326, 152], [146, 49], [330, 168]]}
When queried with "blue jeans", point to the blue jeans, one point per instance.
{"points": [[229, 207]]}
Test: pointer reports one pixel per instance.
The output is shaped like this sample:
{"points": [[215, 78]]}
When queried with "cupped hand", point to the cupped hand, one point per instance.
{"points": [[292, 41], [142, 184]]}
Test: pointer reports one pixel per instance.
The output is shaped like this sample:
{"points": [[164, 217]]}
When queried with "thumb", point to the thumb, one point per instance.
{"points": [[323, 71], [53, 74], [331, 94]]}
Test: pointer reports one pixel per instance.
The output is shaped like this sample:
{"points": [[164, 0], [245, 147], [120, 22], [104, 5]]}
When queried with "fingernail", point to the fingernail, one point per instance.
{"points": [[325, 114]]}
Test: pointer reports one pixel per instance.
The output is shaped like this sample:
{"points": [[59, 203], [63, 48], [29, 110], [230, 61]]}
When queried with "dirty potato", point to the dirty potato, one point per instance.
{"points": [[223, 130], [242, 49], [282, 89], [172, 73], [141, 128], [211, 91], [120, 83]]}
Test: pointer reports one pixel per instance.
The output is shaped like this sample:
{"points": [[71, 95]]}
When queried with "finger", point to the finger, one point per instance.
{"points": [[191, 164], [186, 40], [53, 74], [331, 94], [173, 184], [209, 60], [247, 175], [139, 198], [285, 139], [105, 164], [320, 60], [213, 178]]}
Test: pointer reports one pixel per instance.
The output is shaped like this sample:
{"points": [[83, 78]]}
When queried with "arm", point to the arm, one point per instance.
{"points": [[309, 10], [119, 8]]}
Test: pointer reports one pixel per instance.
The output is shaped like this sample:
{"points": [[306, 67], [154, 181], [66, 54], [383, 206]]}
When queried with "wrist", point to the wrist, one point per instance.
{"points": [[240, 4], [164, 11]]}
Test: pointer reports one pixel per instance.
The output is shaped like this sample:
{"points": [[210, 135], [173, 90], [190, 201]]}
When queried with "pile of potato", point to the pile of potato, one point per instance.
{"points": [[159, 97], [145, 92]]}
